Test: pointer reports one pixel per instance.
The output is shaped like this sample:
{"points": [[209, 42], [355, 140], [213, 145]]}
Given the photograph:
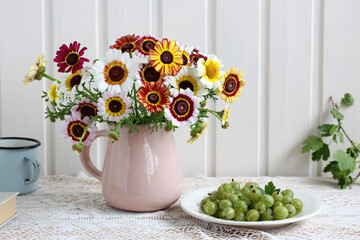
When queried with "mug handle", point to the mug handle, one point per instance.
{"points": [[36, 165], [85, 156]]}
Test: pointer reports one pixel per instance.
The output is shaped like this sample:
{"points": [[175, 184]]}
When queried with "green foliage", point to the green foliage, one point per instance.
{"points": [[344, 163], [270, 188], [347, 100], [312, 143], [343, 177], [336, 114], [323, 153], [211, 95]]}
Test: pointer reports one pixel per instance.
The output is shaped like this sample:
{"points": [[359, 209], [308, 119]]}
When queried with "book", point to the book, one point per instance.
{"points": [[7, 206]]}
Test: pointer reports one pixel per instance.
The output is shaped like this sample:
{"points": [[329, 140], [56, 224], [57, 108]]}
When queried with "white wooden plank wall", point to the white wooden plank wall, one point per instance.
{"points": [[294, 55]]}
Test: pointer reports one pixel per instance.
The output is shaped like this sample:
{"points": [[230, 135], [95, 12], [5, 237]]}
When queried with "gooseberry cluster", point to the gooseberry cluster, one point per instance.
{"points": [[251, 203]]}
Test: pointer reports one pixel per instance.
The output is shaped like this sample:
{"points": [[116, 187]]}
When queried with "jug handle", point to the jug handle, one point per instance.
{"points": [[85, 156]]}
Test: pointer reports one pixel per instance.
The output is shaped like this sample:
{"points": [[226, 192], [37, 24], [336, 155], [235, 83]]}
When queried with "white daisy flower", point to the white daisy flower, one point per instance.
{"points": [[183, 109], [74, 127], [209, 71], [187, 78], [114, 106], [116, 71]]}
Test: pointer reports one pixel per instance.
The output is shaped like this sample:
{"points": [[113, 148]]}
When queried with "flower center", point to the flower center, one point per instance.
{"points": [[147, 45], [75, 81], [230, 84], [115, 106], [181, 107], [87, 111], [151, 75], [186, 84], [153, 98], [77, 130], [116, 74], [127, 47], [166, 57], [72, 59], [212, 71], [185, 60]]}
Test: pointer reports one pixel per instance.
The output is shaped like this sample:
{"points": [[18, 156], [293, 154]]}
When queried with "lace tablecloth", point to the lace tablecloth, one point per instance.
{"points": [[66, 207]]}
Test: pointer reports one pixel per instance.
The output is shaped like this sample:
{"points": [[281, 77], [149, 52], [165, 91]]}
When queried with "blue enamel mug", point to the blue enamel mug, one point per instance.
{"points": [[19, 165]]}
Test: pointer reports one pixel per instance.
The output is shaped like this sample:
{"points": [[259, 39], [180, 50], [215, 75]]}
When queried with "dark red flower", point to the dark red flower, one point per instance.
{"points": [[69, 58]]}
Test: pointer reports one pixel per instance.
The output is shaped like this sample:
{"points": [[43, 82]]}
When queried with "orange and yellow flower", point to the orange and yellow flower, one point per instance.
{"points": [[166, 57], [126, 43], [154, 96]]}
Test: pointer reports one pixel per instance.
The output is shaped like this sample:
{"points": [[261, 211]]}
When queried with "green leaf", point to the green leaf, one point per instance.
{"points": [[336, 114], [352, 152], [335, 138], [328, 128], [270, 188], [343, 177], [323, 153], [312, 142], [347, 100], [341, 136], [345, 161]]}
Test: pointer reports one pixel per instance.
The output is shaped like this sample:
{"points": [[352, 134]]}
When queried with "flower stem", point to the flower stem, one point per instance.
{"points": [[89, 91], [215, 113], [84, 133], [135, 100], [51, 78]]}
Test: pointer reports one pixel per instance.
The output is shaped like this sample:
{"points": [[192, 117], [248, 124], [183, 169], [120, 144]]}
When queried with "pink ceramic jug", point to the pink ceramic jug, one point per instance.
{"points": [[141, 171]]}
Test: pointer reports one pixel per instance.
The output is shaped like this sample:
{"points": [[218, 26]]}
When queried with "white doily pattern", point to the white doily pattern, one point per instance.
{"points": [[67, 207]]}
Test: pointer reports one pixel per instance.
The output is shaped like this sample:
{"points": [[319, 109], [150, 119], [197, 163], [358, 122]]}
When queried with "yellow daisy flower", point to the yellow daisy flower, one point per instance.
{"points": [[54, 94], [224, 115], [166, 57], [232, 84]]}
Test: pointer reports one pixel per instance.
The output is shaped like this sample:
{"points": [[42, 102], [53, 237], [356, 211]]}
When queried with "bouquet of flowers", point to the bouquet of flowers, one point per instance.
{"points": [[139, 80]]}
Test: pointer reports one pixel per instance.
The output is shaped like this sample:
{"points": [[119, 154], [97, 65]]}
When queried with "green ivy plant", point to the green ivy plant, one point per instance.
{"points": [[344, 162]]}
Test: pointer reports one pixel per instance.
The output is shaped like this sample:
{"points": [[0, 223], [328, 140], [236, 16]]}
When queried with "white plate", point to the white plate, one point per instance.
{"points": [[190, 203]]}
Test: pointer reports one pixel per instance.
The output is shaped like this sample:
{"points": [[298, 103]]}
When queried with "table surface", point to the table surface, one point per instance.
{"points": [[67, 207]]}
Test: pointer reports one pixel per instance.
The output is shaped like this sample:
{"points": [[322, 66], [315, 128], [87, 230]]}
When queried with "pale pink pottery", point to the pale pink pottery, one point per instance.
{"points": [[141, 170]]}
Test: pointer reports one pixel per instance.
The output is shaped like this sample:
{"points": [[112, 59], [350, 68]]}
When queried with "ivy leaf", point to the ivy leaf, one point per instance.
{"points": [[345, 161], [343, 177], [270, 188], [336, 114], [312, 142], [347, 100], [323, 153]]}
